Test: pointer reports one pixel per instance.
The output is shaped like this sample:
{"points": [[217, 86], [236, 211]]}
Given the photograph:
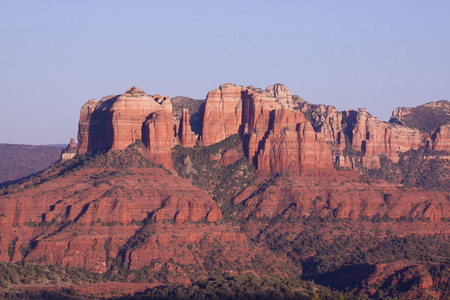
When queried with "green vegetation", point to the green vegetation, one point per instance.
{"points": [[12, 274], [200, 165], [345, 261], [423, 168], [242, 287], [425, 119]]}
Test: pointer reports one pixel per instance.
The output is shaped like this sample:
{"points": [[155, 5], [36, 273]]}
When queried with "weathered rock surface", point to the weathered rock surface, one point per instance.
{"points": [[117, 121], [426, 117], [158, 137], [185, 134], [279, 140], [293, 147], [223, 113], [70, 151], [94, 208], [441, 141], [344, 197], [356, 138], [367, 136]]}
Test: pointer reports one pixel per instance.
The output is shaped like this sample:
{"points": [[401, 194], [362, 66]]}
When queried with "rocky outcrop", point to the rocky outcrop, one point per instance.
{"points": [[186, 136], [223, 113], [441, 141], [293, 147], [272, 141], [116, 122], [282, 94], [70, 151], [430, 110], [157, 136], [341, 198], [365, 136], [374, 138], [279, 140]]}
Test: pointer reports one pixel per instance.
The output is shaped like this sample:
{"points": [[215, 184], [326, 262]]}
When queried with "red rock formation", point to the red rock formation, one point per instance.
{"points": [[98, 210], [158, 137], [230, 157], [341, 197], [282, 94], [185, 134], [375, 138], [118, 121], [366, 134], [442, 139], [86, 140], [130, 111], [70, 151], [294, 147], [222, 116], [275, 135]]}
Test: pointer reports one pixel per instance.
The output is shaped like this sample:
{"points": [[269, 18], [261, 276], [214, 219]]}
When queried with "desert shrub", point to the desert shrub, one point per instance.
{"points": [[222, 183], [425, 119]]}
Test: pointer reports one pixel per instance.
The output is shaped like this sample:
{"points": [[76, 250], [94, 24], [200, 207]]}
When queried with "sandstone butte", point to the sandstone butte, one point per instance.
{"points": [[279, 139]]}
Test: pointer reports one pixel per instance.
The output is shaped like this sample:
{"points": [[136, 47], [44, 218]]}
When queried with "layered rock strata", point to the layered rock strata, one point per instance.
{"points": [[441, 141], [115, 122], [84, 221], [279, 139], [367, 137]]}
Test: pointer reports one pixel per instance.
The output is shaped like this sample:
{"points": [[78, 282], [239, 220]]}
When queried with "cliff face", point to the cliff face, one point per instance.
{"points": [[223, 113], [261, 116], [276, 135], [115, 122], [279, 139], [363, 135], [441, 139], [293, 147], [185, 134]]}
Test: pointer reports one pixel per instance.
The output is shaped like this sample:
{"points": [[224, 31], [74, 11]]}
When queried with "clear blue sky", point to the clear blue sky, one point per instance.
{"points": [[56, 55]]}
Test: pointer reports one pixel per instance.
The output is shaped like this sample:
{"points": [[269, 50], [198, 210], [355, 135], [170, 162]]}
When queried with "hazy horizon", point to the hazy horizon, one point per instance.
{"points": [[57, 55]]}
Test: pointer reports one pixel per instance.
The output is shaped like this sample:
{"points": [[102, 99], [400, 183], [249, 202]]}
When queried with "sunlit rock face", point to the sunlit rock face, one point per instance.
{"points": [[115, 122], [278, 138]]}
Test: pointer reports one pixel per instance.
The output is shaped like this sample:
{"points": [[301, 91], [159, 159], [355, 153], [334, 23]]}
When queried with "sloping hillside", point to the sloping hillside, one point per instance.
{"points": [[17, 161]]}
